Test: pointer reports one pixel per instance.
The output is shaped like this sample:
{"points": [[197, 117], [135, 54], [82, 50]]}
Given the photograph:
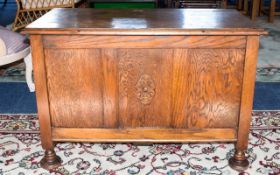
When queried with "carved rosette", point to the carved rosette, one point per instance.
{"points": [[145, 89]]}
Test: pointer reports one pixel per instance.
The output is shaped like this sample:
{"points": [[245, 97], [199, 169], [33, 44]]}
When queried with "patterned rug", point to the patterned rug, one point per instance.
{"points": [[20, 151]]}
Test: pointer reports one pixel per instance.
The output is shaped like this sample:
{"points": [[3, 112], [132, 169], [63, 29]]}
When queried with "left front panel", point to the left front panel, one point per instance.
{"points": [[75, 85]]}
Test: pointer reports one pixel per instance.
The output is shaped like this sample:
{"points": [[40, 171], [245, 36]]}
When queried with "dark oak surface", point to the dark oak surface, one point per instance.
{"points": [[144, 22]]}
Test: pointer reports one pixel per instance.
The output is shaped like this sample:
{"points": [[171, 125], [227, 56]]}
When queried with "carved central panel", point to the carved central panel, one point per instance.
{"points": [[145, 89]]}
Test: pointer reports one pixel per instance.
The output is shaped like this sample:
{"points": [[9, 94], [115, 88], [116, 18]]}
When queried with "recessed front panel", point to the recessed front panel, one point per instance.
{"points": [[75, 85], [207, 86], [144, 87]]}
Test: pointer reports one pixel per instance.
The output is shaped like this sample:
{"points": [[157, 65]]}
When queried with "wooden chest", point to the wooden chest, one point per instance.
{"points": [[164, 75]]}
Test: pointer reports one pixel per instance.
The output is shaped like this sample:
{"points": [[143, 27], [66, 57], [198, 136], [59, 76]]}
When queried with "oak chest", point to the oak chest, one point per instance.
{"points": [[164, 75]]}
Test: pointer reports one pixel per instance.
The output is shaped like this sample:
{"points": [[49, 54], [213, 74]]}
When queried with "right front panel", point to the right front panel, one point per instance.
{"points": [[207, 87]]}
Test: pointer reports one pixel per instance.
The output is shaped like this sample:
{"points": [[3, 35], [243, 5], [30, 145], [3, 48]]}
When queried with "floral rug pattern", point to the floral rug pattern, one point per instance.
{"points": [[20, 152]]}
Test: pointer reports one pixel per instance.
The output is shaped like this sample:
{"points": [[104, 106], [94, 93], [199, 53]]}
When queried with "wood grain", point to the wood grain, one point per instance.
{"points": [[129, 76], [145, 87], [75, 81], [134, 65], [144, 22], [110, 88], [247, 92], [89, 41], [206, 87], [143, 135], [42, 95]]}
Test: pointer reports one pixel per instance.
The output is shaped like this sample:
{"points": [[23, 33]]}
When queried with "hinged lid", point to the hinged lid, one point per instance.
{"points": [[144, 22]]}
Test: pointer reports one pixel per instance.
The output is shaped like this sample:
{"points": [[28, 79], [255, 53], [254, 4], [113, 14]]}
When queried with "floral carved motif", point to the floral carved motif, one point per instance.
{"points": [[145, 89]]}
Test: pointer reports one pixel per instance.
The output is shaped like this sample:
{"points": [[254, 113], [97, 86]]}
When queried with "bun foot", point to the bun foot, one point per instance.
{"points": [[238, 165], [50, 161]]}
